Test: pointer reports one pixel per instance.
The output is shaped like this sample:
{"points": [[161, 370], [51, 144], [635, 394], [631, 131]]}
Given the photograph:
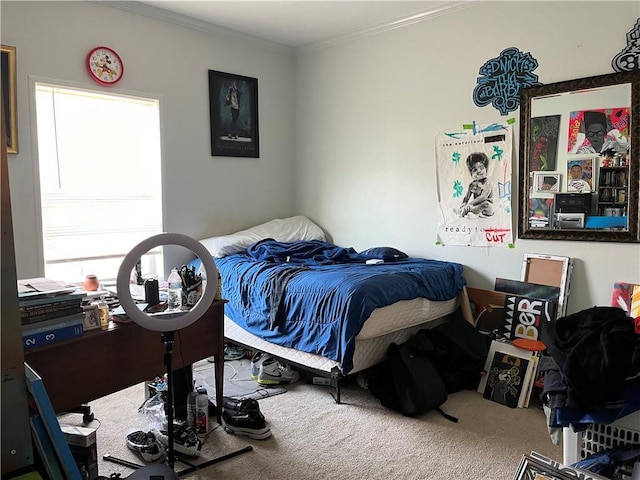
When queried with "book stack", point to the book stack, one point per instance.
{"points": [[48, 319]]}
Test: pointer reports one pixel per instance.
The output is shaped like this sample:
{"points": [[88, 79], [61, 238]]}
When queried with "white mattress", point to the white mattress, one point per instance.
{"points": [[394, 323]]}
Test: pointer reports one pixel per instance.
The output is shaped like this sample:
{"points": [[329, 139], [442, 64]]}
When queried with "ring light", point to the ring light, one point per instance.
{"points": [[166, 321]]}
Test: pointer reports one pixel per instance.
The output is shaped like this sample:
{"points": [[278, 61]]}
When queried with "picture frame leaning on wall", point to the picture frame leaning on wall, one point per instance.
{"points": [[9, 96]]}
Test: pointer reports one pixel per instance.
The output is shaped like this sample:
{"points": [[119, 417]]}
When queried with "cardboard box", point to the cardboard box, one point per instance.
{"points": [[80, 436], [83, 445]]}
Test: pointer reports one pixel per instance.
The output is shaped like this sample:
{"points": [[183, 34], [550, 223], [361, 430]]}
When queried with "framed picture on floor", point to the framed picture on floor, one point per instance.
{"points": [[9, 96], [233, 109]]}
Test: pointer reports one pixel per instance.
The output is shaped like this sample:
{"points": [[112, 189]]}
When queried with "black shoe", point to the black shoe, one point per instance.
{"points": [[245, 405], [245, 422], [146, 444]]}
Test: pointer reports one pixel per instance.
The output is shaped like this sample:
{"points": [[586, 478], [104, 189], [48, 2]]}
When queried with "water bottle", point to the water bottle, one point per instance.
{"points": [[174, 301], [202, 411]]}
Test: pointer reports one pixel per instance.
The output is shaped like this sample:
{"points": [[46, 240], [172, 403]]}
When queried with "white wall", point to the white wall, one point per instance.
{"points": [[204, 195], [370, 109], [360, 160]]}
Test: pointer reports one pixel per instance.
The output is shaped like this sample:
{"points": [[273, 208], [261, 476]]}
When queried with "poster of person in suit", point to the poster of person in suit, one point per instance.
{"points": [[474, 186], [234, 115]]}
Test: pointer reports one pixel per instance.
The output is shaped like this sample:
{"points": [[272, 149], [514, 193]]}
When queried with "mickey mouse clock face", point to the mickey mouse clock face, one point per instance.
{"points": [[105, 65]]}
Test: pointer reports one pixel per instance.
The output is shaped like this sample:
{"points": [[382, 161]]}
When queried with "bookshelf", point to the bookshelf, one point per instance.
{"points": [[613, 191]]}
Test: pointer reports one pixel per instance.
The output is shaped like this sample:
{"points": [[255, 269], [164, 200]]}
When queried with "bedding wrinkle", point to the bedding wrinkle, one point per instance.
{"points": [[320, 307]]}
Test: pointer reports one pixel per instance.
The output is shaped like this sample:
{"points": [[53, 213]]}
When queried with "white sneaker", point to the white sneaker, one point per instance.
{"points": [[273, 372], [256, 361]]}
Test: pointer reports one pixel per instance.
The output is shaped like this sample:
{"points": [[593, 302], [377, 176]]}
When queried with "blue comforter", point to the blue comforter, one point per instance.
{"points": [[315, 296]]}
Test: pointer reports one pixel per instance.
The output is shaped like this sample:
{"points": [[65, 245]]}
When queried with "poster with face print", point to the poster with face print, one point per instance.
{"points": [[598, 131], [474, 186]]}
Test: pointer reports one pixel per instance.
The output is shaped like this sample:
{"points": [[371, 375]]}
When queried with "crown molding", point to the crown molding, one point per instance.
{"points": [[451, 7], [192, 23]]}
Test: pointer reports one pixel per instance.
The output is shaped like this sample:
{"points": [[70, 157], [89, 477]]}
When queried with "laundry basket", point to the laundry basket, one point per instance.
{"points": [[599, 437]]}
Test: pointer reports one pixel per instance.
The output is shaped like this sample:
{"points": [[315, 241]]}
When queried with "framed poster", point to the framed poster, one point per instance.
{"points": [[546, 182], [9, 96], [544, 142], [233, 110]]}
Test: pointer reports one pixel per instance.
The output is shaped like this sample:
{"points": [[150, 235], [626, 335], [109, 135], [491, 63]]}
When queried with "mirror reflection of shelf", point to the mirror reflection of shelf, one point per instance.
{"points": [[612, 191]]}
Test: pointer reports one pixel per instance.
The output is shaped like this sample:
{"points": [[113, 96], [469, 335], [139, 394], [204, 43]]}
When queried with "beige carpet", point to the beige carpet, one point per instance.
{"points": [[315, 438]]}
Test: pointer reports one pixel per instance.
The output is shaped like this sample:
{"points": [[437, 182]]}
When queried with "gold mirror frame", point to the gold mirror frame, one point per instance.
{"points": [[527, 95]]}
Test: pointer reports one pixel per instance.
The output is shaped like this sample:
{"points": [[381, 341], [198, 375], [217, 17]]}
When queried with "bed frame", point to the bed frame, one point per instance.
{"points": [[371, 344]]}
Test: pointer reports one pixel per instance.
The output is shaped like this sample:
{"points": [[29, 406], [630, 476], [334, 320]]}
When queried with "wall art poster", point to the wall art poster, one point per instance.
{"points": [[502, 78], [580, 176], [524, 316], [544, 142], [474, 186], [233, 109], [597, 131], [628, 59], [506, 378]]}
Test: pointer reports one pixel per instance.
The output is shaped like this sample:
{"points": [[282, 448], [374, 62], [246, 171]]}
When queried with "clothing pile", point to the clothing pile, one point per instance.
{"points": [[592, 362]]}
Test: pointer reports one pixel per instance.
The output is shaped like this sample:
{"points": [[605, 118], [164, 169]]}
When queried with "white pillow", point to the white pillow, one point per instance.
{"points": [[281, 229]]}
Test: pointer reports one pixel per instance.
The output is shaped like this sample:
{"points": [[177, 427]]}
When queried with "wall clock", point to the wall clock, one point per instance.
{"points": [[105, 65]]}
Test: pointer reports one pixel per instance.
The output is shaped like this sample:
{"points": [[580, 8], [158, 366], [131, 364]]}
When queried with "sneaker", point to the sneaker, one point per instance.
{"points": [[146, 444], [185, 440], [232, 352], [245, 422], [244, 405], [273, 372], [256, 361]]}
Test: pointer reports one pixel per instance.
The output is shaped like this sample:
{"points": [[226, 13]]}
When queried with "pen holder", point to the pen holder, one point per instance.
{"points": [[192, 293]]}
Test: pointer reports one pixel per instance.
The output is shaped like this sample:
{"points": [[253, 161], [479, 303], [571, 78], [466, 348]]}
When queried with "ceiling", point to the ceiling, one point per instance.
{"points": [[300, 23]]}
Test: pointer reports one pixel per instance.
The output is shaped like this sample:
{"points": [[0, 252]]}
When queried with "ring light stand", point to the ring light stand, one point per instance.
{"points": [[167, 323]]}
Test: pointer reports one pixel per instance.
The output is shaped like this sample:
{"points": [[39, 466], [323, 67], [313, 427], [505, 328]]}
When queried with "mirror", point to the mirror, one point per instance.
{"points": [[579, 160]]}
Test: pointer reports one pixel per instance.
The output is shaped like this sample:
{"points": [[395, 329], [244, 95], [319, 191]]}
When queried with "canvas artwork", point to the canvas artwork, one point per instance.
{"points": [[621, 296], [506, 375], [474, 186], [527, 289], [487, 308], [580, 176], [544, 142], [597, 131], [524, 316]]}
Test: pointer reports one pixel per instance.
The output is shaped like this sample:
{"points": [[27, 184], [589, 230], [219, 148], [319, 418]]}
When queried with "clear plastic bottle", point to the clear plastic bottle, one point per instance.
{"points": [[174, 301]]}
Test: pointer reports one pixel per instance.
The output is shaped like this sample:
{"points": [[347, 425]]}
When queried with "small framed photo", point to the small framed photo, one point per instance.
{"points": [[580, 175], [233, 110], [91, 319], [9, 96], [532, 469], [546, 182]]}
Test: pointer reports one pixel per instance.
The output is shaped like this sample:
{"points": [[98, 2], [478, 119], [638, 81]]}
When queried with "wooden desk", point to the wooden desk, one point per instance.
{"points": [[98, 363]]}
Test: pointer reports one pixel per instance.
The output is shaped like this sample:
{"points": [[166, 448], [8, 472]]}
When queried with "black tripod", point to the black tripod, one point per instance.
{"points": [[158, 472]]}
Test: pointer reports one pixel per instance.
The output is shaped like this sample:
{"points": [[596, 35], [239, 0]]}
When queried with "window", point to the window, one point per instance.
{"points": [[100, 180]]}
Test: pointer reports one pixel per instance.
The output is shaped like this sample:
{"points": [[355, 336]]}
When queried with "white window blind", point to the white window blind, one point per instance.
{"points": [[100, 180]]}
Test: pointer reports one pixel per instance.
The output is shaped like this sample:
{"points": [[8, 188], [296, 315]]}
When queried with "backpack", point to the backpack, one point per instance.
{"points": [[459, 351], [408, 381]]}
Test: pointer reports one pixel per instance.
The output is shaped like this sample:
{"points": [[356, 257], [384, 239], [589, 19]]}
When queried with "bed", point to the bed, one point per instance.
{"points": [[325, 308]]}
